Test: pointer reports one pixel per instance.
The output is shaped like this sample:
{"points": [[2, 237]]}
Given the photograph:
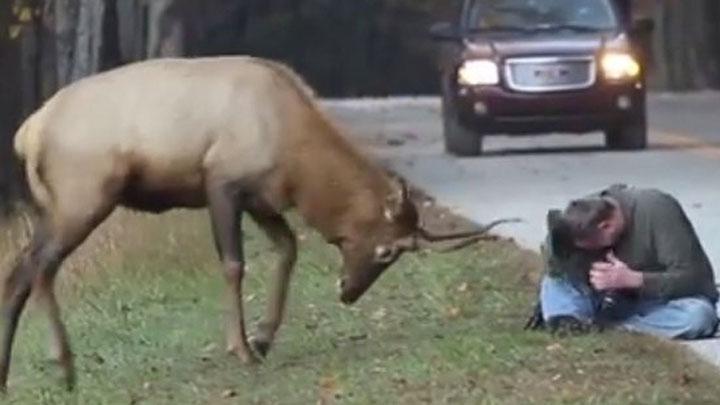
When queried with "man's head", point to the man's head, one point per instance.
{"points": [[594, 223]]}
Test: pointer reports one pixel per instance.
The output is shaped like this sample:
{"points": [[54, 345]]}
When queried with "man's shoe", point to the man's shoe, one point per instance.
{"points": [[567, 325]]}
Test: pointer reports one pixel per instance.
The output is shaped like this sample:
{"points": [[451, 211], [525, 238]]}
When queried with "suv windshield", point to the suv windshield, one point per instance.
{"points": [[534, 15]]}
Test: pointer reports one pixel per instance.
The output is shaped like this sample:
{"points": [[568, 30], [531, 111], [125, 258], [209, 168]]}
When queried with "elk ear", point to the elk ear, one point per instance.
{"points": [[395, 202]]}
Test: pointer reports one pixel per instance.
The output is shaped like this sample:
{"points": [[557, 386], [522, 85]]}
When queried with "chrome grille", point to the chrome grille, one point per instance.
{"points": [[550, 74]]}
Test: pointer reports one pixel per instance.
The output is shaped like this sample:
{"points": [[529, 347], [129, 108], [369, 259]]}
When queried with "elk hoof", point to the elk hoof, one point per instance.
{"points": [[70, 382], [245, 356], [68, 370], [68, 373], [262, 347]]}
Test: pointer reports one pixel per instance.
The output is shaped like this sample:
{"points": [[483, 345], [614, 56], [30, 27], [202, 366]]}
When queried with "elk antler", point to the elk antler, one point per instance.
{"points": [[430, 237], [425, 239]]}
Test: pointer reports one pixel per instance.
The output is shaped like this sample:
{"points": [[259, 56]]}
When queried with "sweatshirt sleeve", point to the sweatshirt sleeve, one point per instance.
{"points": [[683, 262]]}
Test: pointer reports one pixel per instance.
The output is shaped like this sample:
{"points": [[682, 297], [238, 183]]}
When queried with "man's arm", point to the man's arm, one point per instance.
{"points": [[678, 250]]}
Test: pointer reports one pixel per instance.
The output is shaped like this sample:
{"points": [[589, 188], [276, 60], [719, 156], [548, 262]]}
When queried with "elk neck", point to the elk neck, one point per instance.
{"points": [[332, 184]]}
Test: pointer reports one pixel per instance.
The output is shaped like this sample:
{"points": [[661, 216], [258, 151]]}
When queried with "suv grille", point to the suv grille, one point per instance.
{"points": [[550, 74]]}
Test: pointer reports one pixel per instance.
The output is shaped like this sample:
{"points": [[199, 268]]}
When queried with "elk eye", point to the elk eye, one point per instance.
{"points": [[389, 215], [384, 254]]}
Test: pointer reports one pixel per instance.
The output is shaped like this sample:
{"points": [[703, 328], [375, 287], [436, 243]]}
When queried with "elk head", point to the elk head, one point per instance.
{"points": [[379, 241]]}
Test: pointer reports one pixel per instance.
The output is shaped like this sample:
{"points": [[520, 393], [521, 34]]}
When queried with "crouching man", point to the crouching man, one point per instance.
{"points": [[629, 258]]}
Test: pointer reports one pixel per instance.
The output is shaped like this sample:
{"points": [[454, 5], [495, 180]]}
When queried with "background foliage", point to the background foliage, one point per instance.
{"points": [[343, 47]]}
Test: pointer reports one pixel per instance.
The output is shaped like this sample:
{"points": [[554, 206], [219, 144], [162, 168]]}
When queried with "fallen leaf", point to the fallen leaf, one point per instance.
{"points": [[379, 314], [98, 358], [329, 390], [206, 352], [400, 381], [684, 379], [553, 347], [229, 393], [360, 336], [557, 377], [209, 348], [453, 312]]}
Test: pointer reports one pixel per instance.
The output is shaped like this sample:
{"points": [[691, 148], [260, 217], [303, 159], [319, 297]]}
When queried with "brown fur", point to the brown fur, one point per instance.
{"points": [[234, 134]]}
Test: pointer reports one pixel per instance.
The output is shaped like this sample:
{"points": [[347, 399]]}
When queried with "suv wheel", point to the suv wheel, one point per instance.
{"points": [[629, 136], [459, 140]]}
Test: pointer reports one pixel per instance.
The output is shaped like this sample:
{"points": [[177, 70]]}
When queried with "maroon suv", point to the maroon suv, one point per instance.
{"points": [[537, 66]]}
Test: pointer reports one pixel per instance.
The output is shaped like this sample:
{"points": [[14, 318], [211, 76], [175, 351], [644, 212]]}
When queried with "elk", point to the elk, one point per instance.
{"points": [[233, 134]]}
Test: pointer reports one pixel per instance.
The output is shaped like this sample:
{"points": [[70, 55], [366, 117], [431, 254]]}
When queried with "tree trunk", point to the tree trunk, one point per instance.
{"points": [[684, 45], [110, 51], [166, 29], [64, 33], [88, 39], [9, 112], [132, 17]]}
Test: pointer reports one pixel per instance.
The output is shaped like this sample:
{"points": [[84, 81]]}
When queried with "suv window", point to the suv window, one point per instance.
{"points": [[529, 15]]}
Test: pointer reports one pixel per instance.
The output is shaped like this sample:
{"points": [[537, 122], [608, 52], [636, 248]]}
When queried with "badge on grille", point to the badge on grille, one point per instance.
{"points": [[551, 74]]}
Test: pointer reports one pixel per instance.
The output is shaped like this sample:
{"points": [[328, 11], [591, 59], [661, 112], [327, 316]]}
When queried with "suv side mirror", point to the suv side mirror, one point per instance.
{"points": [[444, 31], [643, 26]]}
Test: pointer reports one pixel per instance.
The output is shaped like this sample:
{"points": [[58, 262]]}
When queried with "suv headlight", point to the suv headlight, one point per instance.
{"points": [[619, 66], [478, 72]]}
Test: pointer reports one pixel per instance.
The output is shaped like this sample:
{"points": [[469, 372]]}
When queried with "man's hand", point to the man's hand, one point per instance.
{"points": [[613, 275]]}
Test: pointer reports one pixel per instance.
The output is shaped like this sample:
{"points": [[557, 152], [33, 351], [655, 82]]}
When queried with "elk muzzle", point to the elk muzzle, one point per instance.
{"points": [[355, 283]]}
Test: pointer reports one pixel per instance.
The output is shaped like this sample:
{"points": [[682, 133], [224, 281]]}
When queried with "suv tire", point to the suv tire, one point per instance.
{"points": [[628, 136], [459, 140]]}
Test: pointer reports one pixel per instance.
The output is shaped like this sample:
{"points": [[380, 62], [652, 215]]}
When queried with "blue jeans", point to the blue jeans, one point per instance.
{"points": [[684, 318]]}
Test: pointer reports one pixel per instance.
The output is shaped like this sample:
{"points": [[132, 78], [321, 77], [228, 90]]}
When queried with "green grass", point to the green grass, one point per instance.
{"points": [[142, 301]]}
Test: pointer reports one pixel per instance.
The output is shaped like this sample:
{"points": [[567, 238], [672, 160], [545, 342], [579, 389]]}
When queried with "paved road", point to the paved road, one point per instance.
{"points": [[524, 176]]}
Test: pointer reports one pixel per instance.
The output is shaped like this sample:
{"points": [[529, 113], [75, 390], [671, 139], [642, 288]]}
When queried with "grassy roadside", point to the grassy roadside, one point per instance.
{"points": [[142, 304]]}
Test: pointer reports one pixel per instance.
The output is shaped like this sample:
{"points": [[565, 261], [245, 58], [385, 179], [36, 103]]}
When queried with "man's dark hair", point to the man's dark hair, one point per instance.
{"points": [[581, 217]]}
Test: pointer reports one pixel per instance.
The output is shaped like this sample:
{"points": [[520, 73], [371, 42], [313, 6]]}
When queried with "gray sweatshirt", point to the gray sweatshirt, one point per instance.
{"points": [[658, 240]]}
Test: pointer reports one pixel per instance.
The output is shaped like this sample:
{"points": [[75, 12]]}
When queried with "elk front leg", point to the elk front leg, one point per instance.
{"points": [[36, 269], [226, 214], [283, 238]]}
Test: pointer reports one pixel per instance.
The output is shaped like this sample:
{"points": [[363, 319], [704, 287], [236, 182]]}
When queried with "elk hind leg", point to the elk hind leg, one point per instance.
{"points": [[16, 290], [70, 228]]}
